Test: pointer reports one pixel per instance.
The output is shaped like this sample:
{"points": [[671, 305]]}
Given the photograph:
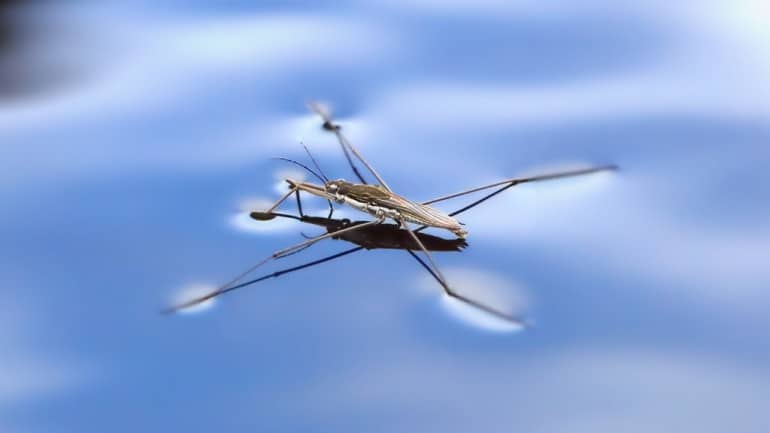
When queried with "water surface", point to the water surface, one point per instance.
{"points": [[122, 184]]}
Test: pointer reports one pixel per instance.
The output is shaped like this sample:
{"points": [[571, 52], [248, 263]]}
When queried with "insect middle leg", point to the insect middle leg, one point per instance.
{"points": [[276, 255], [299, 204], [436, 273]]}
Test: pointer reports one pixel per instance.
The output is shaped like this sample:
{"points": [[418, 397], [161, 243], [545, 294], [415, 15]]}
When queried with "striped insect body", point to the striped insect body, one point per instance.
{"points": [[381, 203]]}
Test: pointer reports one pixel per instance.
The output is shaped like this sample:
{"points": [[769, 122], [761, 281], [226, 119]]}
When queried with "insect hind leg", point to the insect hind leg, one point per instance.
{"points": [[438, 276]]}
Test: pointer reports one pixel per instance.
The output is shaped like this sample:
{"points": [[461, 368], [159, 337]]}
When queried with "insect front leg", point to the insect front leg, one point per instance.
{"points": [[299, 204], [292, 190]]}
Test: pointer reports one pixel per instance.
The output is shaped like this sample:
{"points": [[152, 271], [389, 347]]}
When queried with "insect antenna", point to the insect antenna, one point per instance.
{"points": [[315, 163], [318, 176], [299, 164]]}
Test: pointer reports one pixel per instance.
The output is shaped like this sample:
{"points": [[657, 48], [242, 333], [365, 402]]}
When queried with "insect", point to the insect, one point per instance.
{"points": [[382, 203]]}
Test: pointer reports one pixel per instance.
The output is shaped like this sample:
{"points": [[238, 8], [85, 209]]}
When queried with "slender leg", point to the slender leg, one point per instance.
{"points": [[257, 280], [516, 181], [289, 250], [436, 272], [329, 125], [281, 200], [318, 109], [276, 255], [474, 203], [366, 164], [482, 199], [298, 250], [299, 204], [342, 140], [358, 174]]}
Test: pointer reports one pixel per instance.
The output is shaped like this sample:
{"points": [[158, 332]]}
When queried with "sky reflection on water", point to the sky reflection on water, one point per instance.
{"points": [[123, 182]]}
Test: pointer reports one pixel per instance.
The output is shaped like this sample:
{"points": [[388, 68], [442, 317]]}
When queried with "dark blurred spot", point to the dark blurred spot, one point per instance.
{"points": [[262, 216], [329, 126], [26, 66], [8, 31]]}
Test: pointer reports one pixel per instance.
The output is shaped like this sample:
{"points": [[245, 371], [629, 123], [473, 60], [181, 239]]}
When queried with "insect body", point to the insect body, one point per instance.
{"points": [[381, 203], [378, 202]]}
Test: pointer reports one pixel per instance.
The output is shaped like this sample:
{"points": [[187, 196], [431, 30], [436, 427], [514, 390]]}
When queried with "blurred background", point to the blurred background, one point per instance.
{"points": [[135, 137]]}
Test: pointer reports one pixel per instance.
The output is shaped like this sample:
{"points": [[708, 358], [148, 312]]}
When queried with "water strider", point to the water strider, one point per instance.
{"points": [[382, 203]]}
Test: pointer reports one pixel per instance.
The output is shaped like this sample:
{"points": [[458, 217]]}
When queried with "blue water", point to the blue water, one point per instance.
{"points": [[125, 178]]}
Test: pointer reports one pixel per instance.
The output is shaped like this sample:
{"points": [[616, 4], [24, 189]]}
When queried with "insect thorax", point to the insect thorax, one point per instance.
{"points": [[361, 192], [369, 207], [366, 198]]}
